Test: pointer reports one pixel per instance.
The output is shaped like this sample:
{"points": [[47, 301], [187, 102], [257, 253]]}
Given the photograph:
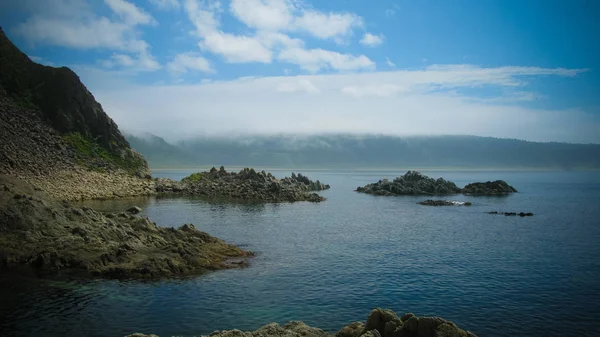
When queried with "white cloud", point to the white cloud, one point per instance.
{"points": [[272, 15], [203, 16], [371, 40], [73, 24], [381, 90], [182, 63], [236, 48], [131, 14], [330, 25], [165, 4], [119, 59], [298, 85], [314, 60], [389, 63], [92, 33], [418, 101], [141, 62]]}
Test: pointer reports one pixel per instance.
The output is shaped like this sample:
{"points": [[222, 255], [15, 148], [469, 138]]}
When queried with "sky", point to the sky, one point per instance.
{"points": [[525, 69]]}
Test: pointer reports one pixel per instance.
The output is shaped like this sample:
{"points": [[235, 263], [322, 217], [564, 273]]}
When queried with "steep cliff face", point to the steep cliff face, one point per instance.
{"points": [[62, 102]]}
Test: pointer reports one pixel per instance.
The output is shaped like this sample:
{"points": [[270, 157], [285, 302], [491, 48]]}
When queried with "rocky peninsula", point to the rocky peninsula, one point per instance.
{"points": [[416, 183], [246, 184], [380, 323], [49, 236]]}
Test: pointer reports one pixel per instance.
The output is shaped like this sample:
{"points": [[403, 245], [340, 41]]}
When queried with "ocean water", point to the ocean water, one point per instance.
{"points": [[329, 264]]}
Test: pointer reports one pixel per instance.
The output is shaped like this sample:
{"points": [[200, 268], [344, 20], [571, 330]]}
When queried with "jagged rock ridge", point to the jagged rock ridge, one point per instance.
{"points": [[246, 184]]}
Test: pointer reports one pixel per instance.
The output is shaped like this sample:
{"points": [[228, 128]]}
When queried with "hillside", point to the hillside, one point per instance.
{"points": [[351, 151], [63, 104], [55, 136]]}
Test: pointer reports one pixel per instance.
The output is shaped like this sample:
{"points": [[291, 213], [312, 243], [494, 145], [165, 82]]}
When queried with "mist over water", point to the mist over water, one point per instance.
{"points": [[329, 264]]}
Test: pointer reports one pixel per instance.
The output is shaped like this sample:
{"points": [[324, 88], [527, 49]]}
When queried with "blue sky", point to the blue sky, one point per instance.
{"points": [[179, 68]]}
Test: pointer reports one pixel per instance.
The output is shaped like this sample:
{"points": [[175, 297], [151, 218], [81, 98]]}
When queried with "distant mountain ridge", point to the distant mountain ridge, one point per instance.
{"points": [[365, 151]]}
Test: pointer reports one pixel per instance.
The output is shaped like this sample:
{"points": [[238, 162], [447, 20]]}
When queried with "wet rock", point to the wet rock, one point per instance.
{"points": [[444, 203], [354, 329], [521, 214], [134, 210], [378, 319]]}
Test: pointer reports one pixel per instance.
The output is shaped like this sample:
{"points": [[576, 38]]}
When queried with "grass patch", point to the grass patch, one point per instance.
{"points": [[97, 158]]}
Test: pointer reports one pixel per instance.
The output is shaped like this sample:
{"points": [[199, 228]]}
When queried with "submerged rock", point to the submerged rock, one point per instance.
{"points": [[521, 214], [247, 184], [498, 187], [430, 202], [412, 183]]}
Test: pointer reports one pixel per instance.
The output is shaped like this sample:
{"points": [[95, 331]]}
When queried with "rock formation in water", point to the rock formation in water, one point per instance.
{"points": [[498, 187], [521, 214], [50, 236], [246, 184], [412, 183], [416, 183], [380, 323], [430, 202]]}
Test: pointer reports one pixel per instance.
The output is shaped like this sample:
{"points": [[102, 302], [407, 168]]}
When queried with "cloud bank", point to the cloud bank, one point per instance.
{"points": [[427, 101]]}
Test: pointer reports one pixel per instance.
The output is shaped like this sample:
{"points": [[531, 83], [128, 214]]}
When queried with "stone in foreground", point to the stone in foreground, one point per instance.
{"points": [[380, 323]]}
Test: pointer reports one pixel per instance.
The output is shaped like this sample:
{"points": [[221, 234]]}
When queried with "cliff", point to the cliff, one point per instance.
{"points": [[63, 104]]}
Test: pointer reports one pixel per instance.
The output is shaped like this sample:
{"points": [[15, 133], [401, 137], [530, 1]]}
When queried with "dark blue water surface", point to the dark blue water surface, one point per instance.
{"points": [[329, 264]]}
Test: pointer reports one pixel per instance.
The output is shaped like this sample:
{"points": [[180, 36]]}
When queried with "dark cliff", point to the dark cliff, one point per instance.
{"points": [[62, 102]]}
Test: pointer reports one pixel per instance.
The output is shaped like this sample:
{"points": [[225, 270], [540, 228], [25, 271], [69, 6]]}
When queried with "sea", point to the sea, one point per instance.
{"points": [[329, 264]]}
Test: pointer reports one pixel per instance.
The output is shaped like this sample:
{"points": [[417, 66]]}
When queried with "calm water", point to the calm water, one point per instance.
{"points": [[328, 264]]}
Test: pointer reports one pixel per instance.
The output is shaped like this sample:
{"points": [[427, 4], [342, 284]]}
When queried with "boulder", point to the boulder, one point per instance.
{"points": [[134, 210]]}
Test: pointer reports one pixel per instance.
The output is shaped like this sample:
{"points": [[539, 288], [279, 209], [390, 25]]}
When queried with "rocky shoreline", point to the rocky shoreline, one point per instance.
{"points": [[246, 184], [49, 237], [416, 183], [380, 323]]}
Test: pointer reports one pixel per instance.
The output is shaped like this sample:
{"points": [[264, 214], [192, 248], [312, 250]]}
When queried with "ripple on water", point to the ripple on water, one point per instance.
{"points": [[330, 263]]}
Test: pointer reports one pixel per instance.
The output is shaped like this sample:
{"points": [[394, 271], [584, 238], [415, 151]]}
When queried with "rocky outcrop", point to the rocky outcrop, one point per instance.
{"points": [[246, 184], [416, 183], [430, 202], [412, 183], [385, 323], [380, 323], [49, 236], [498, 187], [521, 214]]}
